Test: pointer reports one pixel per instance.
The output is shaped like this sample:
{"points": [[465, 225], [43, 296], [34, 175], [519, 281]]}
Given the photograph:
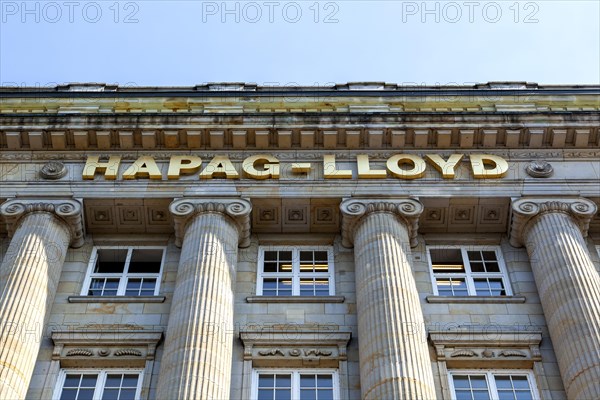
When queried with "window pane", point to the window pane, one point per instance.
{"points": [[446, 261], [265, 394], [68, 394], [463, 395], [452, 287], [89, 380], [110, 261], [474, 255], [324, 381], [461, 381], [520, 382], [481, 395], [266, 381], [127, 394], [113, 381], [283, 394], [477, 267], [145, 261], [478, 382], [307, 381], [270, 267], [308, 394], [325, 394], [271, 255], [321, 256], [284, 381], [110, 394], [489, 255], [85, 394]]}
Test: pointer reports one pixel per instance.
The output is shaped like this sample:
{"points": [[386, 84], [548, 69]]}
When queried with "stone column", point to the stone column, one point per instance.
{"points": [[393, 351], [553, 232], [196, 363], [41, 233]]}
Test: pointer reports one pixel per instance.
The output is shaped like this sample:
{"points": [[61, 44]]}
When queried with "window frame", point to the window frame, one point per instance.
{"points": [[468, 275], [125, 275], [295, 395], [491, 381], [101, 381], [295, 275]]}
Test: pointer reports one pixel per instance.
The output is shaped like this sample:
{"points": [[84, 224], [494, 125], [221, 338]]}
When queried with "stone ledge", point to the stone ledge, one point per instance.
{"points": [[476, 299], [295, 299], [116, 299]]}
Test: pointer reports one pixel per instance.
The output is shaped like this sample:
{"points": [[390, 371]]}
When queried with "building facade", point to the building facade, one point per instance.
{"points": [[358, 241]]}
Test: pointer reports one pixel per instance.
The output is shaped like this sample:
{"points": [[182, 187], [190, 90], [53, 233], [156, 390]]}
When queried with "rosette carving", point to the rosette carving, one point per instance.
{"points": [[526, 210], [353, 210], [238, 210], [539, 169], [68, 212], [53, 170]]}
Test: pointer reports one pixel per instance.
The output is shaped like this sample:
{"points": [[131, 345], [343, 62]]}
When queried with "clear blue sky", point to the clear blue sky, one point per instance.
{"points": [[163, 43]]}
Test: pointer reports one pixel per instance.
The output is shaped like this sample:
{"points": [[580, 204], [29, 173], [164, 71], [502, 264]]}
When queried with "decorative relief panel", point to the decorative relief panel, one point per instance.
{"points": [[105, 348], [290, 349], [483, 215], [295, 215], [128, 216], [487, 349]]}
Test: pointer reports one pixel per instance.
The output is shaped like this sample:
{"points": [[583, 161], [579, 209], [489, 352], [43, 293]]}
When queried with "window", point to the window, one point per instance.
{"points": [[97, 384], [488, 385], [472, 271], [295, 385], [124, 271], [298, 271]]}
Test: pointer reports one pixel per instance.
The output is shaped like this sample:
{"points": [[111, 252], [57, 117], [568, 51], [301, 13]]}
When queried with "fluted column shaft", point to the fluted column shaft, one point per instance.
{"points": [[198, 349], [569, 289], [29, 277], [394, 357]]}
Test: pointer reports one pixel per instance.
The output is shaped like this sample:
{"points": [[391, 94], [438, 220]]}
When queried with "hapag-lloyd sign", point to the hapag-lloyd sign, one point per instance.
{"points": [[265, 166]]}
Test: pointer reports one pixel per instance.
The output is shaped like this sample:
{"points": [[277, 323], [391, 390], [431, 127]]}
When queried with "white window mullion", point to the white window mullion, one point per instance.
{"points": [[492, 385], [469, 274], [295, 385], [124, 276], [295, 272]]}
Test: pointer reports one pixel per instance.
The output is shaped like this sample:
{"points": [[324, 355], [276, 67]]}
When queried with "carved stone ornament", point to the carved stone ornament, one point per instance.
{"points": [[238, 210], [353, 210], [79, 353], [524, 210], [539, 169], [53, 170], [128, 352], [67, 211], [271, 352]]}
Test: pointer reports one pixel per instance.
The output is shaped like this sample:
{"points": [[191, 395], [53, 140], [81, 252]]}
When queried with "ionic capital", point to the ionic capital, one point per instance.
{"points": [[238, 210], [526, 210], [353, 210], [68, 212]]}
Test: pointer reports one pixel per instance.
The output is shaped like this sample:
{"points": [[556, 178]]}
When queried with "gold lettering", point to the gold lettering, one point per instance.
{"points": [[110, 167], [496, 166], [330, 171], [301, 168], [219, 167], [269, 164], [183, 165], [365, 171], [446, 168], [417, 163], [143, 167]]}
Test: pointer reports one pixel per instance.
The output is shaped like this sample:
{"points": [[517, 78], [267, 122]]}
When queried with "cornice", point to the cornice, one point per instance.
{"points": [[302, 133], [183, 210], [353, 210], [526, 210], [68, 212]]}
